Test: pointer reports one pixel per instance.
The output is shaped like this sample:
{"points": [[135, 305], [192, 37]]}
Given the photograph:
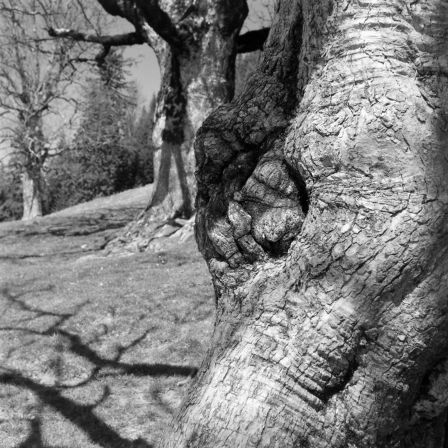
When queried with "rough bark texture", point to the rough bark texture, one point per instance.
{"points": [[197, 75], [322, 213]]}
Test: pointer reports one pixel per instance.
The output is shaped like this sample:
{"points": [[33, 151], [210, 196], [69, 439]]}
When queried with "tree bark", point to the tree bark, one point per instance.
{"points": [[322, 214]]}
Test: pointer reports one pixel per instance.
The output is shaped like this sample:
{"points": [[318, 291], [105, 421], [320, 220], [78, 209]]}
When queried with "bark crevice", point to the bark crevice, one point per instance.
{"points": [[251, 202], [335, 389]]}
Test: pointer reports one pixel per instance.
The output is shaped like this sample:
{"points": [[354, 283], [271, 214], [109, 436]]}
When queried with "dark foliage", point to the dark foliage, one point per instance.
{"points": [[11, 207]]}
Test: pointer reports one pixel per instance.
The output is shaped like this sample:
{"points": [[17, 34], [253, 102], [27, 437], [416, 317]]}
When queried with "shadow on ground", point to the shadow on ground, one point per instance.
{"points": [[82, 416], [77, 333]]}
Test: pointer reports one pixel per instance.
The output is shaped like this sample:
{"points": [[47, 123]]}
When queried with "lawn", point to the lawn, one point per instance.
{"points": [[98, 351]]}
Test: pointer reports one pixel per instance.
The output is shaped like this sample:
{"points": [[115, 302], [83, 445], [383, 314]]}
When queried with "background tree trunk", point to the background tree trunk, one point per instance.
{"points": [[32, 145], [322, 213], [194, 82], [32, 197]]}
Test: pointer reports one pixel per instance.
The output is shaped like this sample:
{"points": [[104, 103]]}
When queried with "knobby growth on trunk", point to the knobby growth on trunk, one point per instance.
{"points": [[322, 214]]}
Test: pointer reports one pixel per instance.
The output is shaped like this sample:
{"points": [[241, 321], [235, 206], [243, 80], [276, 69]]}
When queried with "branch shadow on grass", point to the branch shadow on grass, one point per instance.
{"points": [[81, 349], [81, 415]]}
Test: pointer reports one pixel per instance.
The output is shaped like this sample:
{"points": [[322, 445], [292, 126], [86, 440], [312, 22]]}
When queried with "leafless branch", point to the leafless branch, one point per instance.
{"points": [[153, 15], [115, 40]]}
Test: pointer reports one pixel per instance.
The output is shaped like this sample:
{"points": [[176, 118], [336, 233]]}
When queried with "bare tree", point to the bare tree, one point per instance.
{"points": [[36, 74], [196, 44]]}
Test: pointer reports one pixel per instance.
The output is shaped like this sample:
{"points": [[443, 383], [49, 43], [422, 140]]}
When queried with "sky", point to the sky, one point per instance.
{"points": [[145, 71]]}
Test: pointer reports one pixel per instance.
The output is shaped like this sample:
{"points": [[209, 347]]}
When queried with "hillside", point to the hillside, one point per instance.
{"points": [[96, 351], [83, 228]]}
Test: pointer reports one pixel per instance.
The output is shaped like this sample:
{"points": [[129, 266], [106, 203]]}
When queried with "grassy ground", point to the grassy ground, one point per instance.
{"points": [[95, 351]]}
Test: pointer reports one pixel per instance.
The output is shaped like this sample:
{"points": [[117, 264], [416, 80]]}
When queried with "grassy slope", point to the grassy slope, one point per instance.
{"points": [[94, 351]]}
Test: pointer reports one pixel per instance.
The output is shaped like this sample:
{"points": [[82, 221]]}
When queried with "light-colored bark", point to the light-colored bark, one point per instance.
{"points": [[32, 199], [322, 213]]}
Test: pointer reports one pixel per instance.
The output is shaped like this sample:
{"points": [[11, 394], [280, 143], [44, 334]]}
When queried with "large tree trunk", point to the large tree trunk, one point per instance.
{"points": [[194, 82], [322, 213]]}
